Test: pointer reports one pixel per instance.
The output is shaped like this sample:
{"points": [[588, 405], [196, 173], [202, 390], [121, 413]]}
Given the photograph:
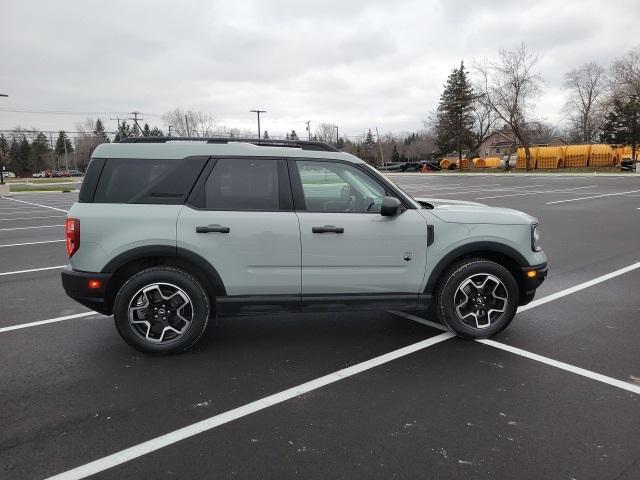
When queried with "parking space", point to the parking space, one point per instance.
{"points": [[374, 395]]}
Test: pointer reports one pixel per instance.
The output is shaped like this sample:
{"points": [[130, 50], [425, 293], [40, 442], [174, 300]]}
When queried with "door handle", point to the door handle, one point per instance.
{"points": [[212, 228], [327, 229]]}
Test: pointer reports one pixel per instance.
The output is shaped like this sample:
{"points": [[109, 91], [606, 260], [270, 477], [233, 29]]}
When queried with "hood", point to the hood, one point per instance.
{"points": [[460, 211]]}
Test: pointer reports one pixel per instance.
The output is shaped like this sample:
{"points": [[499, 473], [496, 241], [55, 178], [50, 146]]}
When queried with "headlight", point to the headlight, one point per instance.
{"points": [[535, 238]]}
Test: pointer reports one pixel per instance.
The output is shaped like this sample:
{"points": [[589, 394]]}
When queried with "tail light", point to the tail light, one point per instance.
{"points": [[72, 229]]}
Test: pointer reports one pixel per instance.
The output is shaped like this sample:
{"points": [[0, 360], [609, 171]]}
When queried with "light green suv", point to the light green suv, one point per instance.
{"points": [[169, 233]]}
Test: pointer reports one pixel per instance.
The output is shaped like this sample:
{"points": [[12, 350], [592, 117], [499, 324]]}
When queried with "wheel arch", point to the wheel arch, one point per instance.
{"points": [[132, 261], [502, 254]]}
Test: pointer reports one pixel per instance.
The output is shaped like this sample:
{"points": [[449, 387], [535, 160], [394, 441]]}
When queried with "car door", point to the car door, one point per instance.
{"points": [[348, 248], [240, 219]]}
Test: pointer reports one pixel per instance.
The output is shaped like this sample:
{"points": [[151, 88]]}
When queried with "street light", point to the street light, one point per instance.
{"points": [[258, 112]]}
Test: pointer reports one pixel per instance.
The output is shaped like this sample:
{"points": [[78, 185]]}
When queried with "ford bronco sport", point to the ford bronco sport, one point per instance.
{"points": [[169, 233]]}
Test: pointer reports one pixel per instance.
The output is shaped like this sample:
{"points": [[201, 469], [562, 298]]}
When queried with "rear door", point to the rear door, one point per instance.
{"points": [[240, 218]]}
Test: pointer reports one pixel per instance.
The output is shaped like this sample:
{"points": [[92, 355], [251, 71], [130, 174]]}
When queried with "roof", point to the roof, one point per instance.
{"points": [[164, 147]]}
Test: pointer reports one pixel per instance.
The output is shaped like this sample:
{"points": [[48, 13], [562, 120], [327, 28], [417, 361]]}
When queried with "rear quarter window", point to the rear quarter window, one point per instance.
{"points": [[163, 181]]}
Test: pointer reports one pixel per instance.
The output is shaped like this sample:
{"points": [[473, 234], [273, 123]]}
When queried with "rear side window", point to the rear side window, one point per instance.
{"points": [[166, 181], [90, 181], [243, 184]]}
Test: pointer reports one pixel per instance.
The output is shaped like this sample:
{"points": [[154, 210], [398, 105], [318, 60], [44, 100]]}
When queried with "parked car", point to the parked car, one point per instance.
{"points": [[166, 236], [75, 173], [9, 174], [39, 175]]}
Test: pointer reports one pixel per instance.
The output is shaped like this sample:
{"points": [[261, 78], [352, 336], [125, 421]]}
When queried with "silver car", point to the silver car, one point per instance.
{"points": [[169, 233]]}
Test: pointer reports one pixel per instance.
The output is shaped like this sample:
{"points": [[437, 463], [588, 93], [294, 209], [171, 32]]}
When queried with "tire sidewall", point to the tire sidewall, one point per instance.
{"points": [[183, 280], [445, 298]]}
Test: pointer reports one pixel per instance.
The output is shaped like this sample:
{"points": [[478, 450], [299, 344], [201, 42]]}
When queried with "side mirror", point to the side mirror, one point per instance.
{"points": [[390, 207]]}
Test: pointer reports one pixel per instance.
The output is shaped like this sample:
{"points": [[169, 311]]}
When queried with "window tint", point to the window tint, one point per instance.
{"points": [[243, 184], [138, 180], [337, 187]]}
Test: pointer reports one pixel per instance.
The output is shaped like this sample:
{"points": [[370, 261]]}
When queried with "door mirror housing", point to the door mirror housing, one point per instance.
{"points": [[390, 207]]}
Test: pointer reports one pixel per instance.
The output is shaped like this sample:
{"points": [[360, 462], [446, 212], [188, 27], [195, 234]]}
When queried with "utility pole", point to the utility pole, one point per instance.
{"points": [[308, 122], [186, 121], [380, 147], [170, 126], [2, 166], [135, 120], [337, 134], [258, 112]]}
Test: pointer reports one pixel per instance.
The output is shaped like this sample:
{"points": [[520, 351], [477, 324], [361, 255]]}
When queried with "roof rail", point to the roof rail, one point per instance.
{"points": [[302, 144]]}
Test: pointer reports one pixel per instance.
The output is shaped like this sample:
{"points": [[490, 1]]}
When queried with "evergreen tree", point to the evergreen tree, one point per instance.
{"points": [[156, 132], [622, 124], [39, 154], [454, 118], [24, 151], [63, 144], [14, 154], [124, 131], [287, 137], [265, 135], [369, 149], [340, 144], [99, 131], [4, 144], [146, 130], [293, 136], [395, 156]]}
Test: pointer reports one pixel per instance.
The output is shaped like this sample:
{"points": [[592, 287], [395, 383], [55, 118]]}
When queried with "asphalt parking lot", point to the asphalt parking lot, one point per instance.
{"points": [[361, 395]]}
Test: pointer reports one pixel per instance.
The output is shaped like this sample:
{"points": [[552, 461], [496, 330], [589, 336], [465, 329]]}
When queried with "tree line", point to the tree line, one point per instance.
{"points": [[602, 104]]}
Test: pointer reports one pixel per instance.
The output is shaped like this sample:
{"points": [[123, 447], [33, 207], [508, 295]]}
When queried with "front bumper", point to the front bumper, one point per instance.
{"points": [[531, 283], [76, 286]]}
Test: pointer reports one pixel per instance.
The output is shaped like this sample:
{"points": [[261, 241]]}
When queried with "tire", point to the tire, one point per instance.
{"points": [[161, 311], [476, 298]]}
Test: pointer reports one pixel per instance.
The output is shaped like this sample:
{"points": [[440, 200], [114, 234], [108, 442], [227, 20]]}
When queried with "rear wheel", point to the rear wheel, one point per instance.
{"points": [[477, 298], [161, 310]]}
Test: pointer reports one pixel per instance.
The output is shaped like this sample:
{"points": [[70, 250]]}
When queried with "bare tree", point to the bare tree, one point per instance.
{"points": [[586, 103], [625, 75], [192, 123], [509, 85], [326, 132], [484, 120]]}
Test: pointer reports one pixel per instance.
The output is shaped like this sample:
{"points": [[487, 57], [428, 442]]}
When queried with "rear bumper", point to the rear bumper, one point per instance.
{"points": [[533, 282], [76, 286]]}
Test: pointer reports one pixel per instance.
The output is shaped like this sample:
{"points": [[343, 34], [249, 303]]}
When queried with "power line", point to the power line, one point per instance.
{"points": [[68, 112]]}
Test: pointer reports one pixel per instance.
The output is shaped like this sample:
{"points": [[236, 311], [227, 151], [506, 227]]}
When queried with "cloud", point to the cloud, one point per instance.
{"points": [[358, 64]]}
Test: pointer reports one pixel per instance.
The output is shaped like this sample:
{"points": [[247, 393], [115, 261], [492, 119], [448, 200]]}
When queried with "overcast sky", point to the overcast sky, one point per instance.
{"points": [[358, 64]]}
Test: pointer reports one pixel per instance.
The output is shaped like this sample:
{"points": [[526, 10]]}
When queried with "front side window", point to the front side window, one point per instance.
{"points": [[243, 184], [339, 188]]}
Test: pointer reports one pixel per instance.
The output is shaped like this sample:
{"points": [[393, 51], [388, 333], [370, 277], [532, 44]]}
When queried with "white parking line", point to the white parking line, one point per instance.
{"points": [[504, 189], [194, 429], [29, 228], [577, 288], [31, 270], [170, 438], [534, 193], [29, 218], [31, 243], [595, 196], [36, 204], [564, 366], [18, 212], [44, 322]]}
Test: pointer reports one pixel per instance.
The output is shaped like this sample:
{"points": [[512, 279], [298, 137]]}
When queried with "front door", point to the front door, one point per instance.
{"points": [[347, 246]]}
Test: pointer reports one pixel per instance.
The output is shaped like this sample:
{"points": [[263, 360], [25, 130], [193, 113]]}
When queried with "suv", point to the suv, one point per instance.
{"points": [[169, 233]]}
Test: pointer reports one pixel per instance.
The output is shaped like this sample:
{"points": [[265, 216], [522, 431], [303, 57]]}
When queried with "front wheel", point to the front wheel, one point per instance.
{"points": [[477, 298], [161, 310]]}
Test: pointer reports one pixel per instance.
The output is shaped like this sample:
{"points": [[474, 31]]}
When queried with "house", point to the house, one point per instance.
{"points": [[503, 142]]}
